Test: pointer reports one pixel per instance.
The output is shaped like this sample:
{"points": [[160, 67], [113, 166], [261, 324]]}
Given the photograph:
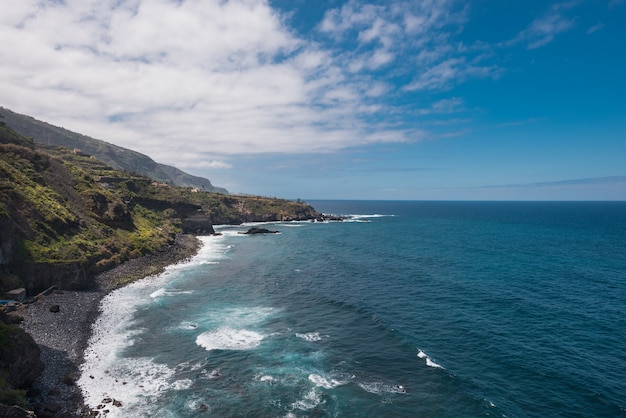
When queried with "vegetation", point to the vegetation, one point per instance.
{"points": [[62, 206], [10, 396], [114, 156]]}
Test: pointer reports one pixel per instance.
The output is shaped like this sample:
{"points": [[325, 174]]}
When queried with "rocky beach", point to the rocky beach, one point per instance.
{"points": [[60, 322]]}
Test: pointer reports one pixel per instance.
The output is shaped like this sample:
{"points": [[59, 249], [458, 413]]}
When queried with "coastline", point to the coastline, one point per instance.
{"points": [[62, 336]]}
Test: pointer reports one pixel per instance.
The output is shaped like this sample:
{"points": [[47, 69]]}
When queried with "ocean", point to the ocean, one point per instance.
{"points": [[406, 309]]}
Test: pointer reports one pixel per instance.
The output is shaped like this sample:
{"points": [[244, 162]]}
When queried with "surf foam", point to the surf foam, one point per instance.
{"points": [[311, 336], [325, 382], [105, 373], [226, 338], [378, 388], [429, 361]]}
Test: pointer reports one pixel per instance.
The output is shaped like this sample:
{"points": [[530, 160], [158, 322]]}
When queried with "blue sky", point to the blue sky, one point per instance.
{"points": [[483, 99]]}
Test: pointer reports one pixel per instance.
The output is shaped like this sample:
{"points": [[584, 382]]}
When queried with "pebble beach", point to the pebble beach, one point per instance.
{"points": [[61, 321]]}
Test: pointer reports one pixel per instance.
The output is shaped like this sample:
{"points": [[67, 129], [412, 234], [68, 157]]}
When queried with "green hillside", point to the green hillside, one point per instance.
{"points": [[74, 213], [117, 157]]}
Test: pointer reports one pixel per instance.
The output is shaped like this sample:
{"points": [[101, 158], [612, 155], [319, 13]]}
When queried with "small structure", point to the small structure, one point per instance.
{"points": [[18, 295]]}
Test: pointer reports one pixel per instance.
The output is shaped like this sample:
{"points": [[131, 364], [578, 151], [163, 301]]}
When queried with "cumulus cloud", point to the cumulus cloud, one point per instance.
{"points": [[193, 82], [197, 76]]}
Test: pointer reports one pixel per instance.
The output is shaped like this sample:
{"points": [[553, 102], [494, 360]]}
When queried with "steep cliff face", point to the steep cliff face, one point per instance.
{"points": [[37, 277]]}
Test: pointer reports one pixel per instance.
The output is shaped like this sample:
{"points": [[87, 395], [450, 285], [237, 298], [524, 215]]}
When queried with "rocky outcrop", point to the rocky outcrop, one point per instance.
{"points": [[256, 230], [40, 276], [20, 358], [198, 224], [7, 411]]}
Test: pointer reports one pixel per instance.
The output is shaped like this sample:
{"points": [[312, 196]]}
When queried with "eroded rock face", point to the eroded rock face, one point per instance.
{"points": [[20, 358], [40, 276], [15, 412], [199, 224]]}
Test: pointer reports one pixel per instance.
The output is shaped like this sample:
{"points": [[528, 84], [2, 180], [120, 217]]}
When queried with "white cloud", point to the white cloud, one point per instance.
{"points": [[544, 29], [595, 28], [223, 77], [214, 165], [180, 80], [449, 72]]}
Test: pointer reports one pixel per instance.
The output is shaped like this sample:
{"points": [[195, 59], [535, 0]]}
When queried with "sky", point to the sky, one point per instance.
{"points": [[338, 99]]}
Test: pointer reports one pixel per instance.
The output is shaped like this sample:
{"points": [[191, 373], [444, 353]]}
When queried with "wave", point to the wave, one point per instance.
{"points": [[375, 215], [378, 388], [226, 338], [364, 217], [311, 336], [163, 292], [186, 325], [429, 361], [105, 373], [136, 383], [325, 382], [309, 401]]}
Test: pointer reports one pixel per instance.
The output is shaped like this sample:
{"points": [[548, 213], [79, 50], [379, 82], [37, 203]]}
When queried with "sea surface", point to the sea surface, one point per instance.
{"points": [[406, 309]]}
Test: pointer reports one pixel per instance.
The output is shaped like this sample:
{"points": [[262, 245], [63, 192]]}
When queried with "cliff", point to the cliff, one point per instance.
{"points": [[65, 216]]}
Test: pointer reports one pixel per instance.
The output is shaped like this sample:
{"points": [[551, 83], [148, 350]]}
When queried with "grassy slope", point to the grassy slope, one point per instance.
{"points": [[69, 208], [117, 157]]}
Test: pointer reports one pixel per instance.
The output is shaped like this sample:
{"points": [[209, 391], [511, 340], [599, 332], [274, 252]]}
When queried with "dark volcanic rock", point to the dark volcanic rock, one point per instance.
{"points": [[256, 230], [15, 412], [20, 357], [199, 224]]}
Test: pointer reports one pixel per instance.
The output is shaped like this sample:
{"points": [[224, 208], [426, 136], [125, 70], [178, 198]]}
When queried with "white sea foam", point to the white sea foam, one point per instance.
{"points": [[311, 336], [196, 403], [226, 338], [187, 366], [429, 361], [309, 401], [157, 293], [364, 218], [163, 292], [240, 316], [212, 250], [132, 381], [136, 383], [325, 382], [188, 326], [380, 387]]}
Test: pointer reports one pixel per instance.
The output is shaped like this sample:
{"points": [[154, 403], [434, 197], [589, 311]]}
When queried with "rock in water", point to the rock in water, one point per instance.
{"points": [[257, 230]]}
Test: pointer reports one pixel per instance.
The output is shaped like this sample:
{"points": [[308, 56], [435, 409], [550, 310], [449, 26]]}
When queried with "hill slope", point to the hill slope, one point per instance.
{"points": [[117, 157], [65, 216]]}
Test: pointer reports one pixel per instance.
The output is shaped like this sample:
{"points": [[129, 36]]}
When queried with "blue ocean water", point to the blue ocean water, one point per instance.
{"points": [[408, 309]]}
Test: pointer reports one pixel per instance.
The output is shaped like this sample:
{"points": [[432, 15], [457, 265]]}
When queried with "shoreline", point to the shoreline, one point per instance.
{"points": [[63, 336]]}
